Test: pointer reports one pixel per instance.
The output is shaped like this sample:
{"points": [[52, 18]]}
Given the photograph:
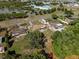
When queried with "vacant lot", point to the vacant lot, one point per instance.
{"points": [[23, 20]]}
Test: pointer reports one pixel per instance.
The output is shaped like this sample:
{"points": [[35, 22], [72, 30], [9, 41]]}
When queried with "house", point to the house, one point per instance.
{"points": [[1, 49], [72, 5], [17, 30], [47, 3], [76, 5], [30, 25], [42, 29], [65, 21], [74, 17], [56, 27], [43, 21]]}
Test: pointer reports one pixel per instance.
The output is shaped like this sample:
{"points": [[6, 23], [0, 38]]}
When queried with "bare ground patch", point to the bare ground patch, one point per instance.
{"points": [[72, 57]]}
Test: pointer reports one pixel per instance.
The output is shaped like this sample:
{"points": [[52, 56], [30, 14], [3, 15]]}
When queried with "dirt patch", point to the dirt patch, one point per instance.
{"points": [[35, 27], [72, 57], [48, 44]]}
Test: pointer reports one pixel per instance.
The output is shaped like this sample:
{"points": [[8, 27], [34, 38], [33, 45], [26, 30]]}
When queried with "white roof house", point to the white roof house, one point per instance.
{"points": [[56, 27], [76, 5], [30, 25], [72, 5], [1, 49], [43, 21], [43, 28], [65, 21]]}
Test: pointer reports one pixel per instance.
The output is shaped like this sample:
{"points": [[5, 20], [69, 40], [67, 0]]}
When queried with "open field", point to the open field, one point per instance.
{"points": [[19, 45], [23, 20]]}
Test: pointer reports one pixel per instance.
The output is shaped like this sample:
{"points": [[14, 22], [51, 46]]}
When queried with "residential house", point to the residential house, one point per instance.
{"points": [[43, 28], [17, 31], [74, 17], [1, 49], [30, 25], [43, 21], [72, 5], [56, 27], [65, 21]]}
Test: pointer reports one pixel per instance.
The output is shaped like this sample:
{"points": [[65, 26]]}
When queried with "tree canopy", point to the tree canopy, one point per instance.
{"points": [[35, 39], [66, 42]]}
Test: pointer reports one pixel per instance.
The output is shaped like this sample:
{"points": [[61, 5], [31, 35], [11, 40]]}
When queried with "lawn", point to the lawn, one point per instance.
{"points": [[19, 45]]}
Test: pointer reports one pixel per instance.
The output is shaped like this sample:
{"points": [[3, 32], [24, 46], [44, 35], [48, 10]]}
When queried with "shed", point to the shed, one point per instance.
{"points": [[1, 49]]}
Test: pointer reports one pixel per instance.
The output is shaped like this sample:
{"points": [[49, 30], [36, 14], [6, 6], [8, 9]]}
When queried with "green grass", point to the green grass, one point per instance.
{"points": [[20, 45]]}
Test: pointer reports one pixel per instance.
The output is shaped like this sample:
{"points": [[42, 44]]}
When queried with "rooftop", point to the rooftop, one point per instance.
{"points": [[57, 26], [1, 49]]}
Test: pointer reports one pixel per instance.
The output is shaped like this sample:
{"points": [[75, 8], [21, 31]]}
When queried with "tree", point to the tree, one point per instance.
{"points": [[34, 56], [68, 13], [36, 39], [8, 37], [39, 3], [54, 16]]}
